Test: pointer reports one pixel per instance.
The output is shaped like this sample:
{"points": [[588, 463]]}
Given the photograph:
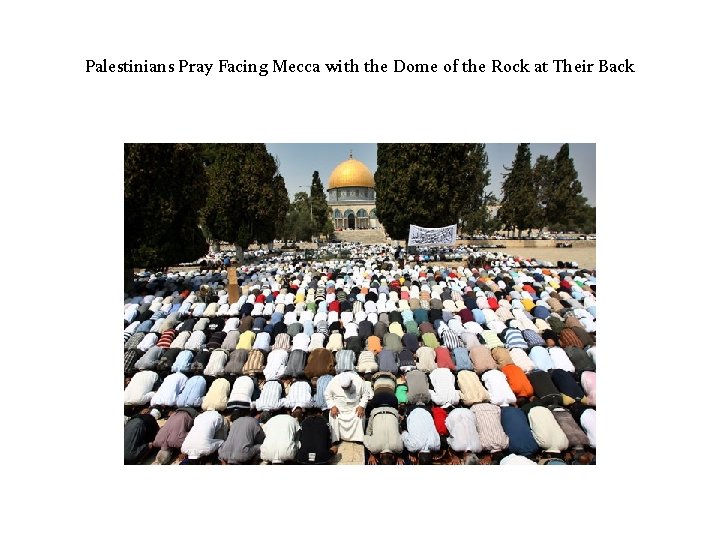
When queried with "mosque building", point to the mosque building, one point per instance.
{"points": [[351, 196]]}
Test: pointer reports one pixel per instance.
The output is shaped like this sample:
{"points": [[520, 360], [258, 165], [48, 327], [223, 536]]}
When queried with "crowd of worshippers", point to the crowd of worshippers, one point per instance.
{"points": [[420, 365]]}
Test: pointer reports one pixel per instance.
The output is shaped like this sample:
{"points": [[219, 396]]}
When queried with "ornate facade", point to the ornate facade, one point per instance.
{"points": [[351, 196]]}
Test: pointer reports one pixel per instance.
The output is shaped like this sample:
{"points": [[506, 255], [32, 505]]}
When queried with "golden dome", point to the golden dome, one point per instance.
{"points": [[351, 173]]}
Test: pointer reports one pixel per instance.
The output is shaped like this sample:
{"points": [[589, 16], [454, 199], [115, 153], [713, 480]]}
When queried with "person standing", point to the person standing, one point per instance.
{"points": [[347, 397]]}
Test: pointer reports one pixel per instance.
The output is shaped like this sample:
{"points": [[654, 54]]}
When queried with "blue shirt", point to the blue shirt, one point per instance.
{"points": [[322, 383], [541, 358], [515, 424], [193, 393], [462, 358]]}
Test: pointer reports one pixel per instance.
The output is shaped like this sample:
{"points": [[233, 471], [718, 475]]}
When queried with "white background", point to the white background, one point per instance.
{"points": [[63, 132]]}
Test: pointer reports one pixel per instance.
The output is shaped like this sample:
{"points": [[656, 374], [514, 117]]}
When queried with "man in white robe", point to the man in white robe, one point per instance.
{"points": [[347, 396], [207, 434], [281, 435]]}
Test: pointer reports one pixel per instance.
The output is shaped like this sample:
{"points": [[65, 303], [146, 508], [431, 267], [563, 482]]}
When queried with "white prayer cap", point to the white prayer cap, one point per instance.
{"points": [[155, 414], [345, 379]]}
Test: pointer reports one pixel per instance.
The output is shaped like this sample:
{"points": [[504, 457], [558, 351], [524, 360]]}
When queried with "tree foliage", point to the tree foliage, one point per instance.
{"points": [[520, 201], [430, 185], [244, 194], [560, 188], [320, 208], [165, 188], [297, 225]]}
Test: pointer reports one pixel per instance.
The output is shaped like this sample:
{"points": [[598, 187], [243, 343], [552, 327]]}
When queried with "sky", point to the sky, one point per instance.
{"points": [[299, 160]]}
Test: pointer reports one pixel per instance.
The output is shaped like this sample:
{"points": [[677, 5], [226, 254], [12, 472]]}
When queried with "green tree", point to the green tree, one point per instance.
{"points": [[320, 209], [482, 219], [298, 225], [544, 173], [430, 185], [165, 187], [520, 203], [281, 204], [242, 194], [561, 190]]}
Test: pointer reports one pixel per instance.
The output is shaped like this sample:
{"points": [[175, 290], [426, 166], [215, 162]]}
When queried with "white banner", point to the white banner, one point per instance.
{"points": [[441, 236]]}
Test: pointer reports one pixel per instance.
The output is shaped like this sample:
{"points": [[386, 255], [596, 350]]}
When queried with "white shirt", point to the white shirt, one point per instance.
{"points": [[317, 341], [201, 439], [139, 389], [560, 359], [262, 341], [231, 324], [216, 363], [498, 387], [169, 390], [195, 341], [587, 422], [514, 459], [463, 431], [522, 360], [443, 391], [346, 426], [302, 341], [276, 363], [280, 442], [148, 341]]}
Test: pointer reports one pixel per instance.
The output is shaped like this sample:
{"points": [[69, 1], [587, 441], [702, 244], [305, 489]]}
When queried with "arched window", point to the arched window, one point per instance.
{"points": [[362, 219], [349, 219]]}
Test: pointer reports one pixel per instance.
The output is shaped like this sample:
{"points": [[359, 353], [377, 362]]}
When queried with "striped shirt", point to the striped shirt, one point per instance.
{"points": [[487, 419], [344, 360], [366, 362], [321, 386], [532, 338], [450, 339], [513, 338], [491, 339], [299, 395], [282, 341], [270, 397]]}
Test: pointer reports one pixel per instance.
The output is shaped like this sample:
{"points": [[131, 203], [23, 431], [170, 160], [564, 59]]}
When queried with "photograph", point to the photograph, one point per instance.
{"points": [[360, 304]]}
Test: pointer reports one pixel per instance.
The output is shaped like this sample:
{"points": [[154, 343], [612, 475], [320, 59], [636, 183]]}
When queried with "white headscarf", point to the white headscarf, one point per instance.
{"points": [[345, 379]]}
